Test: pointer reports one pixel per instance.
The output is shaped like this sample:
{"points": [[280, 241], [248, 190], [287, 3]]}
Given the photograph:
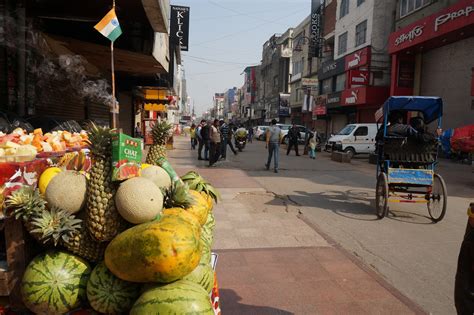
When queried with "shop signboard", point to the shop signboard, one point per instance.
{"points": [[309, 82], [331, 68], [358, 77], [320, 108], [179, 26], [284, 105], [358, 59], [333, 100], [451, 19], [316, 29], [364, 95]]}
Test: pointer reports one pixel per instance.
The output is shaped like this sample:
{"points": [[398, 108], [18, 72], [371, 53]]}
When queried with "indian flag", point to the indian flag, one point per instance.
{"points": [[109, 26]]}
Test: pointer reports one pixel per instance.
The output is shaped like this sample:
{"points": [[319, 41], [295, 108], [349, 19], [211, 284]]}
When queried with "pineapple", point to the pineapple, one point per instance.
{"points": [[161, 133], [25, 204], [198, 183], [177, 196], [59, 227], [103, 220]]}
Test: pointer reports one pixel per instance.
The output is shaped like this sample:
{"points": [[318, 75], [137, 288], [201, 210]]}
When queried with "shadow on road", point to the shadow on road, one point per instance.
{"points": [[231, 305]]}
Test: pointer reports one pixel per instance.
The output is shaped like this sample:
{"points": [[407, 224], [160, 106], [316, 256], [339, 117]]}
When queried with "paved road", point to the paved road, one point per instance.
{"points": [[413, 254]]}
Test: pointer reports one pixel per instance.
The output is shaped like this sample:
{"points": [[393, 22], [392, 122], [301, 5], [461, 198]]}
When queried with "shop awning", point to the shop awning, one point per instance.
{"points": [[128, 62]]}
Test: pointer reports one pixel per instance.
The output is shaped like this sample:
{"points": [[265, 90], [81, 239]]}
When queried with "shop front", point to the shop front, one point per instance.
{"points": [[366, 99], [434, 57]]}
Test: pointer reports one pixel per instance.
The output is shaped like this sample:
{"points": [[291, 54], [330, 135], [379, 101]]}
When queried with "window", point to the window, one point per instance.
{"points": [[340, 82], [342, 45], [361, 31], [344, 9], [298, 67], [409, 6], [359, 2], [327, 86], [361, 131]]}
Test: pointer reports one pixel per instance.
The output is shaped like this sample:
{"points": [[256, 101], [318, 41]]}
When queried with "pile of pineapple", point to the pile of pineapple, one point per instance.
{"points": [[81, 214]]}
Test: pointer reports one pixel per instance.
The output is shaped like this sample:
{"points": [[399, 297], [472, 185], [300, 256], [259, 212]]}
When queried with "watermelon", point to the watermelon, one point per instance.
{"points": [[202, 275], [55, 283], [205, 255], [179, 297], [108, 294]]}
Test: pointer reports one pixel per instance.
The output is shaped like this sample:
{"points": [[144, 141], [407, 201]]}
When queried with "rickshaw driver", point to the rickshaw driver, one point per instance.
{"points": [[397, 128]]}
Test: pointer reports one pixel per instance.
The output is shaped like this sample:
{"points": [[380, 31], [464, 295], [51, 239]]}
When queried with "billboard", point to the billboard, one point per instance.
{"points": [[179, 26], [284, 105]]}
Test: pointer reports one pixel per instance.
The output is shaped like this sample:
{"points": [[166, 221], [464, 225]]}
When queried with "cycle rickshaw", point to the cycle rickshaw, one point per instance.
{"points": [[406, 168]]}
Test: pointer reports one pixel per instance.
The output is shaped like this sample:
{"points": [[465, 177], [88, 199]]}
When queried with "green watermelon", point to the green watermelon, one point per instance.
{"points": [[55, 283], [205, 254], [211, 222], [179, 297], [108, 294], [207, 238], [202, 275]]}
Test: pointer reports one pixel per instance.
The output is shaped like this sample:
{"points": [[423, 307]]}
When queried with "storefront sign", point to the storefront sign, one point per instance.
{"points": [[320, 111], [179, 26], [358, 58], [309, 82], [331, 68], [359, 77], [368, 95], [334, 99], [320, 106], [284, 105], [449, 20], [316, 28]]}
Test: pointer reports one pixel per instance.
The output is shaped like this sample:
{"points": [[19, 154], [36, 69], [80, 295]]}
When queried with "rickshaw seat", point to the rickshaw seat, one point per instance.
{"points": [[404, 150]]}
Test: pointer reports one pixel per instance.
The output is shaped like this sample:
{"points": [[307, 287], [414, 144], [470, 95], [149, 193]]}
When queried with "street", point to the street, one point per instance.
{"points": [[414, 255]]}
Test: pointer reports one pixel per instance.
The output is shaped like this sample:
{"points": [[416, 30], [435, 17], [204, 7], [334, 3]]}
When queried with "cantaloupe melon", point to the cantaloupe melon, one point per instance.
{"points": [[46, 177], [138, 200], [67, 190], [157, 175]]}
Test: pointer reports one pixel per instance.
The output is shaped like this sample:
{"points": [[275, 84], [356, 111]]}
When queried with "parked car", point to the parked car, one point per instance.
{"points": [[354, 139], [260, 132], [303, 130]]}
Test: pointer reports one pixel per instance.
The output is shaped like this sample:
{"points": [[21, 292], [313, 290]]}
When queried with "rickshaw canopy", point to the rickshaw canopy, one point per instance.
{"points": [[430, 106]]}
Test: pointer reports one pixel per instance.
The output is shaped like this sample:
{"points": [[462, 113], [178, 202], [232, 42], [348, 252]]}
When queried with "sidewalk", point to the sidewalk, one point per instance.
{"points": [[272, 262]]}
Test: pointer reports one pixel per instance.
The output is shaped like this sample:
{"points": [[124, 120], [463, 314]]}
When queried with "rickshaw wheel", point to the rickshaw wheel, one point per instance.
{"points": [[437, 199], [381, 196]]}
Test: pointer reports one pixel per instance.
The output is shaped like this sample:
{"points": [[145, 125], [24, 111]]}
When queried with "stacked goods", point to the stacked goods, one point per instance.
{"points": [[142, 245]]}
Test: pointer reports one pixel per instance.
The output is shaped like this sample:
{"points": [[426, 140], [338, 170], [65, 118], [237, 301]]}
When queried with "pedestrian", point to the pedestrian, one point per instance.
{"points": [[224, 129], [199, 138], [293, 137], [229, 139], [273, 145], [206, 138], [250, 132], [215, 145], [313, 142], [192, 133], [138, 131]]}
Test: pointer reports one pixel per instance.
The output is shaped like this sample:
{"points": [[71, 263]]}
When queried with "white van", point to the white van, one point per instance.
{"points": [[354, 139]]}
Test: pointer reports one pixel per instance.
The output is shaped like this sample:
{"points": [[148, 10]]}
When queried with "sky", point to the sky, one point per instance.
{"points": [[228, 35]]}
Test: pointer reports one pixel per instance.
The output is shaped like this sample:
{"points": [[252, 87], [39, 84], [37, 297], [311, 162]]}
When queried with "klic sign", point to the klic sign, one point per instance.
{"points": [[179, 26]]}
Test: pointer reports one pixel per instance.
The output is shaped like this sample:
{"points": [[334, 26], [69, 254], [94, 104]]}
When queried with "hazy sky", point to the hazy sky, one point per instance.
{"points": [[228, 35]]}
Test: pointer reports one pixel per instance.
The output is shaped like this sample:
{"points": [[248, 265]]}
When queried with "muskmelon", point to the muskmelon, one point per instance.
{"points": [[46, 177], [67, 190], [138, 200], [158, 176]]}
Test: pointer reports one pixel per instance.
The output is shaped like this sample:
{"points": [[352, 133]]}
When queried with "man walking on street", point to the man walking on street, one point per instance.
{"points": [[200, 138], [273, 145], [229, 139], [215, 147], [250, 131], [224, 129], [293, 136]]}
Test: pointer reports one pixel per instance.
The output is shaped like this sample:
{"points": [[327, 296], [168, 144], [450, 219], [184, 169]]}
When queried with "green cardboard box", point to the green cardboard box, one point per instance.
{"points": [[126, 157]]}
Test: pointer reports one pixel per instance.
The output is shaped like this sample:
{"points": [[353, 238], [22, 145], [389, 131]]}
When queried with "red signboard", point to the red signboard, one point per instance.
{"points": [[359, 77], [319, 111], [358, 58], [441, 23], [369, 95]]}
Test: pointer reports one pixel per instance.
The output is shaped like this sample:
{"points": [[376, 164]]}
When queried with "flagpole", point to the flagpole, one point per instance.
{"points": [[114, 110]]}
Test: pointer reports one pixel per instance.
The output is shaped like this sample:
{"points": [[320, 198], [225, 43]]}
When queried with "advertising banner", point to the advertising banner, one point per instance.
{"points": [[284, 105], [358, 58], [359, 77], [179, 26]]}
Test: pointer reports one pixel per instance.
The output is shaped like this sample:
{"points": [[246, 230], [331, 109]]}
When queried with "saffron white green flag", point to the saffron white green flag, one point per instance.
{"points": [[109, 26]]}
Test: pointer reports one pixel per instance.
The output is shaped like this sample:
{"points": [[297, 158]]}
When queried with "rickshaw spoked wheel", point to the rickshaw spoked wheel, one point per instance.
{"points": [[381, 196], [438, 199]]}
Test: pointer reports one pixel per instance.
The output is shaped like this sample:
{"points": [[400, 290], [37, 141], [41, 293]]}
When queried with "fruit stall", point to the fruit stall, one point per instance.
{"points": [[96, 231]]}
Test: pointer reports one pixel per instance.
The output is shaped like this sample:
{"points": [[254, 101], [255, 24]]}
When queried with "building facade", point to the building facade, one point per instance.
{"points": [[432, 55], [361, 40]]}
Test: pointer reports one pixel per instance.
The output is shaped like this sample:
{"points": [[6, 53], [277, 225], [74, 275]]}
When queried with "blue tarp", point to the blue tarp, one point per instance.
{"points": [[430, 106]]}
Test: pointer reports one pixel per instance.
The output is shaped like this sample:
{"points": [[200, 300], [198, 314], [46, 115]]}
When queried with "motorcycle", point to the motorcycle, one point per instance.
{"points": [[240, 142]]}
